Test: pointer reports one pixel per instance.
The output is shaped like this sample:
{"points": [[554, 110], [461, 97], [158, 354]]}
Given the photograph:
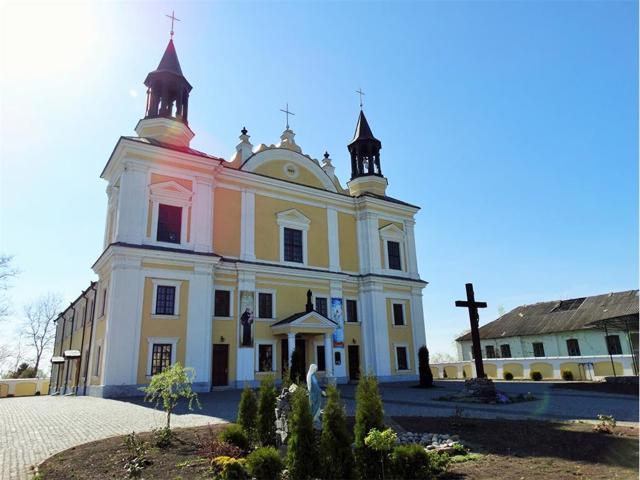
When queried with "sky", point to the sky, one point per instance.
{"points": [[513, 125]]}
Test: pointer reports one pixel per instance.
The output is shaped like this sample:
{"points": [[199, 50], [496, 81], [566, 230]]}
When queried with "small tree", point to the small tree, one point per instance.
{"points": [[302, 452], [169, 386], [23, 371], [267, 412], [381, 442], [7, 272], [247, 412], [336, 457], [426, 376], [369, 414]]}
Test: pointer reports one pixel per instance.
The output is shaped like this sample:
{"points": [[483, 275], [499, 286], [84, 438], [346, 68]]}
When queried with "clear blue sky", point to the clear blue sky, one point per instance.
{"points": [[514, 125]]}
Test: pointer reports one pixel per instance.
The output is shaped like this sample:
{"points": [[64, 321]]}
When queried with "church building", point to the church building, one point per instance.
{"points": [[229, 265]]}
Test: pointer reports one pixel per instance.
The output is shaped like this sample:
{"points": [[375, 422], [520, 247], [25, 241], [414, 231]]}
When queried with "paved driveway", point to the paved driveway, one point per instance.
{"points": [[34, 428]]}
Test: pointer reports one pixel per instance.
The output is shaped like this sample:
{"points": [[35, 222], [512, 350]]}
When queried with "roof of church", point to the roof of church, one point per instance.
{"points": [[169, 62], [363, 130], [560, 315]]}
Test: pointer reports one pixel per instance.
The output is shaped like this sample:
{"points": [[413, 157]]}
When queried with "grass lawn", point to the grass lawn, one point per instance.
{"points": [[510, 449]]}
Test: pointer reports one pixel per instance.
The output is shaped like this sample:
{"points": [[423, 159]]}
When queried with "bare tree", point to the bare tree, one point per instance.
{"points": [[442, 357], [7, 272], [39, 329]]}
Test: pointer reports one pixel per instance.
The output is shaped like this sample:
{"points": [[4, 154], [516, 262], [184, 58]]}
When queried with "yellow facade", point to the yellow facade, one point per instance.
{"points": [[227, 208], [280, 168], [349, 260]]}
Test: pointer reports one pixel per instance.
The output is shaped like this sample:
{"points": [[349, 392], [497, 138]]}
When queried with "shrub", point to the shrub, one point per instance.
{"points": [[438, 463], [508, 376], [606, 425], [535, 375], [162, 437], [169, 386], [136, 459], [247, 412], [235, 435], [369, 415], [301, 454], [267, 412], [381, 442], [426, 376], [336, 457], [567, 375], [229, 468], [213, 448], [411, 461], [265, 464]]}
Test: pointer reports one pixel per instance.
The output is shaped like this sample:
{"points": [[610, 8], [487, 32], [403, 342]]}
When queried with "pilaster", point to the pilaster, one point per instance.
{"points": [[199, 323], [334, 239], [202, 217], [247, 226], [130, 220]]}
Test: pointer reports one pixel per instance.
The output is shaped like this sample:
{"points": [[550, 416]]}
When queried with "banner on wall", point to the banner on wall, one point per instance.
{"points": [[247, 319], [336, 316]]}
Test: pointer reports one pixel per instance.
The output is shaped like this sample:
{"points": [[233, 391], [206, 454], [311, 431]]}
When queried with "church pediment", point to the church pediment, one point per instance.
{"points": [[391, 231], [308, 322], [171, 189], [293, 218]]}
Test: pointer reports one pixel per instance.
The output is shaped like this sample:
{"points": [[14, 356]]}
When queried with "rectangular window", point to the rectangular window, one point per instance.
{"points": [[505, 351], [393, 253], [490, 351], [320, 357], [401, 355], [222, 303], [265, 305], [165, 300], [169, 223], [321, 306], [573, 348], [265, 358], [104, 301], [292, 245], [352, 311], [538, 349], [160, 357], [398, 314], [613, 345]]}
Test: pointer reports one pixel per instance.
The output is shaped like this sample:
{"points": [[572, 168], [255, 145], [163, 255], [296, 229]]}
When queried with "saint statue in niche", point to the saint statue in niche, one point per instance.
{"points": [[246, 319]]}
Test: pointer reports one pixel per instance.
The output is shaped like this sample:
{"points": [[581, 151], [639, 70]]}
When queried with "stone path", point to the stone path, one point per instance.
{"points": [[34, 428]]}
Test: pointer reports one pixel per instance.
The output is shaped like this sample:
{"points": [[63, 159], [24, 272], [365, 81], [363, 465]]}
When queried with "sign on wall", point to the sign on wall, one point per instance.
{"points": [[247, 319], [336, 316]]}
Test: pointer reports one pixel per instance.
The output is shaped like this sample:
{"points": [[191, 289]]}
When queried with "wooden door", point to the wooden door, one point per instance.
{"points": [[220, 365], [354, 363]]}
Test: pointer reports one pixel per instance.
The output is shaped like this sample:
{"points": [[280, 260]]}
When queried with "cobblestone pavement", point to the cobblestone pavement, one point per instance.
{"points": [[34, 428]]}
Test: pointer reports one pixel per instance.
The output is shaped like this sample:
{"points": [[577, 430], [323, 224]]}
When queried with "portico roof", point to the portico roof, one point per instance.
{"points": [[305, 322]]}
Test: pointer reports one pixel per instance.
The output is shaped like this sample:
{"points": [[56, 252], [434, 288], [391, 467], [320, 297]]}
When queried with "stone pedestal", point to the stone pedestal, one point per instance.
{"points": [[482, 388]]}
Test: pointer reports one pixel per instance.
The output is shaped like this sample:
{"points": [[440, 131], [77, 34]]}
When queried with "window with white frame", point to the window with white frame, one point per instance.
{"points": [[161, 353], [265, 357], [352, 311], [170, 202], [266, 306], [322, 306], [398, 311], [166, 297], [293, 236], [402, 357], [222, 303], [393, 239]]}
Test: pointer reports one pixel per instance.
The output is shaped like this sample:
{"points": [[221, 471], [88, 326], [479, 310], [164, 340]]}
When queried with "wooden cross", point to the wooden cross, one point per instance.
{"points": [[286, 110], [474, 319], [173, 19], [361, 93]]}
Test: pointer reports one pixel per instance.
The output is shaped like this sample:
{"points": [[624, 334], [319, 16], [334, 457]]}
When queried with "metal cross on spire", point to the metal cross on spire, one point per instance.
{"points": [[474, 319], [173, 19], [287, 112], [361, 93]]}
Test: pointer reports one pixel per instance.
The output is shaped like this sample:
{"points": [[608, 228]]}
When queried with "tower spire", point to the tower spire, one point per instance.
{"points": [[364, 150]]}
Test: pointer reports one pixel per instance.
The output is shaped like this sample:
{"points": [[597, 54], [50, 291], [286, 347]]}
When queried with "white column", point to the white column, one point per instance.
{"points": [[132, 205], [291, 346], [199, 323], [334, 239], [202, 215], [328, 355], [124, 319], [112, 210], [417, 323], [410, 248], [247, 226]]}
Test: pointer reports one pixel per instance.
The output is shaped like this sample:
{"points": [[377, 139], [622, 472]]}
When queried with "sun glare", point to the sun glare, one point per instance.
{"points": [[40, 40]]}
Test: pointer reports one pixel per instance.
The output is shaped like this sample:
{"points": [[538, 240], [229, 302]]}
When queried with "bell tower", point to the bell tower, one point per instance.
{"points": [[167, 113], [366, 173]]}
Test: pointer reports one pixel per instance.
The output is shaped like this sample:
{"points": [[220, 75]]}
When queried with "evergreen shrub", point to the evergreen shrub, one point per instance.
{"points": [[247, 412], [302, 452], [265, 464], [369, 415], [426, 376], [411, 461], [567, 375], [235, 435], [336, 456], [229, 468], [267, 412], [535, 375], [508, 376]]}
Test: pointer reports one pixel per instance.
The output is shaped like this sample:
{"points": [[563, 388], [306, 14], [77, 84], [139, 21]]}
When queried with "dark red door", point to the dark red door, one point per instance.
{"points": [[354, 363], [220, 365]]}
